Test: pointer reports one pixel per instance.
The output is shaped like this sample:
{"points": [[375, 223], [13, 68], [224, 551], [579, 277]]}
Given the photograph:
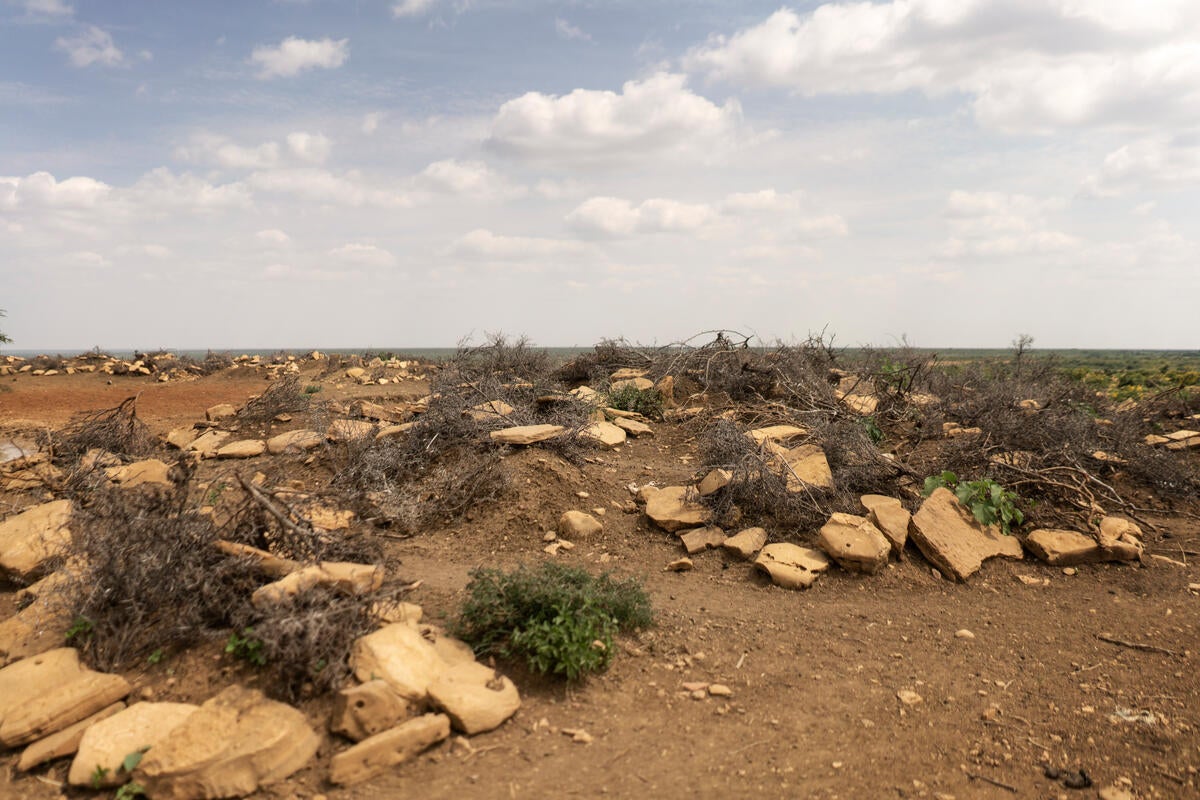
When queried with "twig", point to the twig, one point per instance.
{"points": [[992, 781], [257, 496], [749, 746], [1149, 648]]}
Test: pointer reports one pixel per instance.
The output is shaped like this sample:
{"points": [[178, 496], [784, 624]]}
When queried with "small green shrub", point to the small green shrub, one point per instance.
{"points": [[990, 502], [81, 627], [874, 432], [647, 402], [129, 791], [561, 620], [246, 647]]}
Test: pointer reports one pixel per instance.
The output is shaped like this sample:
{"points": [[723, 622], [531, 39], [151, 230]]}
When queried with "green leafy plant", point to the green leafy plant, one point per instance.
{"points": [[129, 791], [81, 627], [560, 620], [989, 502], [312, 388], [99, 774], [131, 761], [246, 647], [156, 657], [874, 432], [627, 397]]}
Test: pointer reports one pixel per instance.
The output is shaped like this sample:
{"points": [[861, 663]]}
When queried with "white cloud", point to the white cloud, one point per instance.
{"points": [[412, 8], [566, 30], [470, 178], [92, 46], [294, 55], [161, 189], [86, 259], [42, 190], [1149, 162], [995, 224], [648, 116], [311, 147], [1029, 66], [219, 151], [614, 217], [156, 250], [323, 186], [370, 122], [273, 236], [364, 255], [483, 244], [764, 200], [48, 8]]}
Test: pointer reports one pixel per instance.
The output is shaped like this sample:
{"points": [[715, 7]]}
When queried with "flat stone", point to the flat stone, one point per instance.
{"points": [[605, 434], [776, 433], [526, 434], [345, 577], [64, 742], [490, 410], [105, 744], [399, 655], [892, 520], [294, 441], [380, 413], [149, 471], [45, 693], [870, 501], [1119, 529], [348, 430], [791, 566], [392, 431], [219, 412], [854, 543], [1063, 548], [207, 443], [861, 404], [680, 565], [641, 384], [745, 544], [381, 752], [360, 712], [714, 481], [633, 427], [40, 624], [179, 438], [671, 509], [806, 466], [475, 697], [578, 525], [244, 448], [698, 540], [953, 540], [29, 540], [627, 374], [233, 744]]}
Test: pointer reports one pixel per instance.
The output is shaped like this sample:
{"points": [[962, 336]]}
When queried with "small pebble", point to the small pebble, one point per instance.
{"points": [[720, 690], [1069, 571], [963, 634]]}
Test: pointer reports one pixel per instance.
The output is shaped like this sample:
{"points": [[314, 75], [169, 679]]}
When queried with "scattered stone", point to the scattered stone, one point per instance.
{"points": [[780, 434], [374, 411], [526, 434], [578, 525], [489, 410], [579, 735], [390, 431], [475, 697], [48, 692], [697, 540], [854, 543], [1118, 529], [861, 404], [64, 742], [1033, 580], [399, 655], [627, 374], [294, 442], [680, 565], [791, 566], [641, 384], [233, 744], [1062, 548], [605, 434], [804, 466], [1115, 792], [40, 624], [362, 711], [244, 448], [179, 438], [150, 471], [719, 690], [348, 430], [1069, 571], [714, 481], [381, 752], [220, 412], [104, 746], [909, 697], [354, 373], [345, 577], [585, 393], [963, 633], [633, 427], [953, 540], [890, 517], [29, 540], [745, 544], [671, 508], [207, 443], [327, 518]]}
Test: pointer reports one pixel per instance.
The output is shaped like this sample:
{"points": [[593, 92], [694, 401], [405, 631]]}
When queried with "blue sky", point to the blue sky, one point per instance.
{"points": [[409, 172]]}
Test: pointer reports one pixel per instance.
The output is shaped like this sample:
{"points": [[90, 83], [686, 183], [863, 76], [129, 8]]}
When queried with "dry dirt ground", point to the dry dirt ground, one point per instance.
{"points": [[815, 674]]}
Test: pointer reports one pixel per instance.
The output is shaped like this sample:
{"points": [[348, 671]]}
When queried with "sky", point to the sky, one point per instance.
{"points": [[391, 173]]}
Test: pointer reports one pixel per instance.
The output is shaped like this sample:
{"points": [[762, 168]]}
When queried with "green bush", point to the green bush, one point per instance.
{"points": [[990, 502], [560, 620], [647, 402]]}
